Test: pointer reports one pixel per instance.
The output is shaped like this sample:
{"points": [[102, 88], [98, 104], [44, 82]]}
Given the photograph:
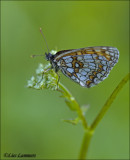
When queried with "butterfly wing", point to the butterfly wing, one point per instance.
{"points": [[63, 51], [87, 66]]}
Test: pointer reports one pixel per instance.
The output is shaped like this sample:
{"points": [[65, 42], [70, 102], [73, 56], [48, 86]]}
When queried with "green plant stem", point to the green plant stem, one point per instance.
{"points": [[85, 144], [78, 109], [88, 135], [109, 102]]}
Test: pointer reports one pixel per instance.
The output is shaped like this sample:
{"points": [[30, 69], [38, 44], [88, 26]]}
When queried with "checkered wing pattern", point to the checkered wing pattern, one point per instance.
{"points": [[87, 66]]}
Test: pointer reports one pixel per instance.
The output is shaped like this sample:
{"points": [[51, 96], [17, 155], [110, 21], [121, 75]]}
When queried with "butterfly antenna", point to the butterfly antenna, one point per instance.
{"points": [[44, 39], [35, 55]]}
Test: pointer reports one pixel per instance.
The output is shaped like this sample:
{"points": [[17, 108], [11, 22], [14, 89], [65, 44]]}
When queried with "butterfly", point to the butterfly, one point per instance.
{"points": [[85, 66]]}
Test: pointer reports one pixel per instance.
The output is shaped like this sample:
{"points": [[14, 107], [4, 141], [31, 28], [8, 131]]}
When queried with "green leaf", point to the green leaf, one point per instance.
{"points": [[72, 121]]}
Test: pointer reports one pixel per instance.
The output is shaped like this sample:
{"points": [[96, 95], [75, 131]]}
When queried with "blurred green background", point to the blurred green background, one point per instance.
{"points": [[32, 119]]}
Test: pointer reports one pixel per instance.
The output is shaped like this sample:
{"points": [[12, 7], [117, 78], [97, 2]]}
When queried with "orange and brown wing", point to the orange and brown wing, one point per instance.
{"points": [[87, 66]]}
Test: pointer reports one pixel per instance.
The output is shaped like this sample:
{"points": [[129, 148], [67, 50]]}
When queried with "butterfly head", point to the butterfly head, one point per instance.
{"points": [[49, 56]]}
